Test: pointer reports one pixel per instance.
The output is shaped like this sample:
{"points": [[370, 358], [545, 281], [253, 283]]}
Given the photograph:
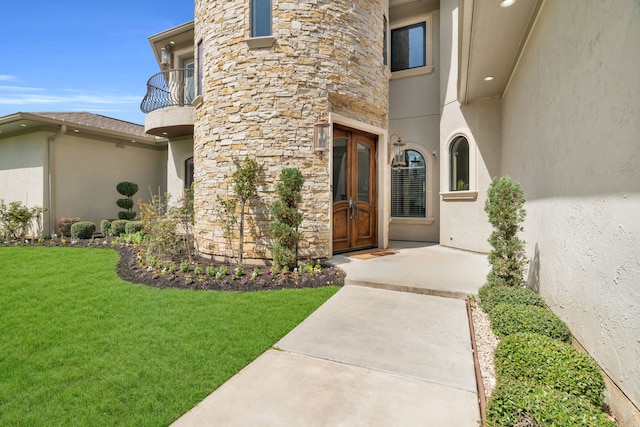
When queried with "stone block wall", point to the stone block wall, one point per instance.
{"points": [[262, 103]]}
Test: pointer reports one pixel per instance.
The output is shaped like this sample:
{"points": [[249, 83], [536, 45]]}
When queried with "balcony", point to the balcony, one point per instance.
{"points": [[168, 103]]}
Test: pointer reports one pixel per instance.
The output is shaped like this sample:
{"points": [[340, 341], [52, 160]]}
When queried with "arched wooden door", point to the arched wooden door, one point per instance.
{"points": [[355, 224]]}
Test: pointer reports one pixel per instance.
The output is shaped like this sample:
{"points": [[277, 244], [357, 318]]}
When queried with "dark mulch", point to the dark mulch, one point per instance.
{"points": [[130, 268]]}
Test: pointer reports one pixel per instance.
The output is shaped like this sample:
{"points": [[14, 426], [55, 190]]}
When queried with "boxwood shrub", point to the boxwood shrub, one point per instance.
{"points": [[529, 357], [492, 296], [64, 225], [118, 227], [105, 226], [82, 230], [507, 319], [533, 404], [125, 215], [133, 227]]}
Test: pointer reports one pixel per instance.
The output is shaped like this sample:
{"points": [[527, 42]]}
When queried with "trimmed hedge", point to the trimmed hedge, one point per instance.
{"points": [[492, 296], [133, 227], [125, 203], [127, 216], [508, 319], [118, 227], [533, 358], [64, 225], [82, 230], [532, 404], [105, 226]]}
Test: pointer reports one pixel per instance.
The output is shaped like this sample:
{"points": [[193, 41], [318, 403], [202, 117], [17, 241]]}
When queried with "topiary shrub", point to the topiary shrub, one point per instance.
{"points": [[287, 218], [82, 230], [64, 225], [549, 362], [508, 319], [492, 296], [118, 227], [133, 227], [127, 189], [521, 403], [504, 208]]}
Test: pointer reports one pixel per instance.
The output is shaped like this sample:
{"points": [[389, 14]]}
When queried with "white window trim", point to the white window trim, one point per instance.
{"points": [[472, 192], [418, 71], [428, 219], [259, 42]]}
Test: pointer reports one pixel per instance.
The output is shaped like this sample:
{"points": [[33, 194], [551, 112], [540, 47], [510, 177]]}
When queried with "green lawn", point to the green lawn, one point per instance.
{"points": [[81, 347]]}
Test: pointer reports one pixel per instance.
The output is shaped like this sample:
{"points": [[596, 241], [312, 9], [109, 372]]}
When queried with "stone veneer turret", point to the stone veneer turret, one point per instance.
{"points": [[262, 102]]}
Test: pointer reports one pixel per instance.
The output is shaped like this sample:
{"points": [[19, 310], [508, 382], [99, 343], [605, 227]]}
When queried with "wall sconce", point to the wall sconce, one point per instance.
{"points": [[321, 134], [166, 57], [398, 157]]}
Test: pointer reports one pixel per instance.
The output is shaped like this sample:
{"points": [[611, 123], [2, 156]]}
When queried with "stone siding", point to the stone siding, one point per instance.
{"points": [[263, 102]]}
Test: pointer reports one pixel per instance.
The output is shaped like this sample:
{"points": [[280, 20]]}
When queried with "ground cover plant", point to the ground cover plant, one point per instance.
{"points": [[508, 319], [81, 346]]}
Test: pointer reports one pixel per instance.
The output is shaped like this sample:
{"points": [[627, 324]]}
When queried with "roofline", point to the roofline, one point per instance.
{"points": [[171, 32], [125, 136]]}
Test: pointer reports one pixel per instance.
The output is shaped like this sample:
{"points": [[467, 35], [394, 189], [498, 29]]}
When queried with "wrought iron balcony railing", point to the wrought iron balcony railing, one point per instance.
{"points": [[170, 88]]}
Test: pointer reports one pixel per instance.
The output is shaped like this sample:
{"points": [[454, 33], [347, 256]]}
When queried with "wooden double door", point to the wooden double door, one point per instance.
{"points": [[355, 224]]}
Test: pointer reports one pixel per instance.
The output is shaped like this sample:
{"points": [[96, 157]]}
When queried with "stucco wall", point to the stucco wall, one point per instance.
{"points": [[178, 151], [262, 103], [22, 163], [414, 114], [87, 172], [571, 136], [463, 222], [23, 169]]}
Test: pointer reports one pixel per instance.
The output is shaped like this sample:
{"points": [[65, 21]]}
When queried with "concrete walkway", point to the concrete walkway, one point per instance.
{"points": [[371, 355]]}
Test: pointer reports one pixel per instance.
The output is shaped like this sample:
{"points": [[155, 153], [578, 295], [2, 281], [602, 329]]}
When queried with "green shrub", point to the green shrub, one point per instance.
{"points": [[119, 227], [127, 216], [505, 210], [492, 296], [105, 226], [284, 228], [82, 230], [64, 225], [507, 319], [133, 227], [125, 203], [549, 362], [127, 188], [16, 220], [532, 404]]}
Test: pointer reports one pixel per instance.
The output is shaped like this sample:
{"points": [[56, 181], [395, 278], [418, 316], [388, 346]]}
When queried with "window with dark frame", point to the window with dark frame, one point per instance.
{"points": [[409, 187], [200, 59], [188, 173], [459, 164], [260, 18], [408, 47]]}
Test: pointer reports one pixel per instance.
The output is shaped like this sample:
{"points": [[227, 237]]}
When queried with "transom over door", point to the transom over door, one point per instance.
{"points": [[355, 222]]}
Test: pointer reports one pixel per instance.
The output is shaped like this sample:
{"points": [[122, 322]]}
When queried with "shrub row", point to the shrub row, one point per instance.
{"points": [[118, 227], [541, 378]]}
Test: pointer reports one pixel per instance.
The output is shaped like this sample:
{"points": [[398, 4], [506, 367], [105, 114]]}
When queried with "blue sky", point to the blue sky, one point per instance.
{"points": [[79, 55]]}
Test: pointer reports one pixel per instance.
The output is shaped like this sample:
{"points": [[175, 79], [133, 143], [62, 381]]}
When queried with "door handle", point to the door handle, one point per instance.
{"points": [[350, 207]]}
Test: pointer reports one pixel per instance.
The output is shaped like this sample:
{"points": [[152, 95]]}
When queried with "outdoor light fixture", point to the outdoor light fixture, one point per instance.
{"points": [[321, 134], [398, 158], [166, 58]]}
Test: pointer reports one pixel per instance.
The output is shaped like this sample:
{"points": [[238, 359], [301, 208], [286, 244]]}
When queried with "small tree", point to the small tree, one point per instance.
{"points": [[504, 207], [16, 220], [127, 189], [245, 186], [285, 227]]}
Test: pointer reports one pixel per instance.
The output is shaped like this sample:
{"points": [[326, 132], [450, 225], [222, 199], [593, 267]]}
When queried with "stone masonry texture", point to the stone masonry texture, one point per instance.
{"points": [[262, 103]]}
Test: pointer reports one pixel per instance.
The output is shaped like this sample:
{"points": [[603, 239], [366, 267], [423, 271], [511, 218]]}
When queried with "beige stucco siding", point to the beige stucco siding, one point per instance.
{"points": [[23, 169], [571, 136], [463, 222], [414, 114], [178, 151], [87, 172]]}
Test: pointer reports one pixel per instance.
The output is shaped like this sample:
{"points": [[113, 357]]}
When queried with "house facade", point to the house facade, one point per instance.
{"points": [[70, 163], [425, 101]]}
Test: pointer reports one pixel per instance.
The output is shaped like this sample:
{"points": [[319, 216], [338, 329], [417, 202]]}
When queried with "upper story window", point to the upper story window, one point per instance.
{"points": [[260, 18], [459, 164], [410, 47], [409, 187], [385, 42], [188, 173], [200, 59]]}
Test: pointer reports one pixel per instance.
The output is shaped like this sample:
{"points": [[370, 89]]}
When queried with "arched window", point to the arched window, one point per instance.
{"points": [[459, 164], [188, 173], [409, 187]]}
